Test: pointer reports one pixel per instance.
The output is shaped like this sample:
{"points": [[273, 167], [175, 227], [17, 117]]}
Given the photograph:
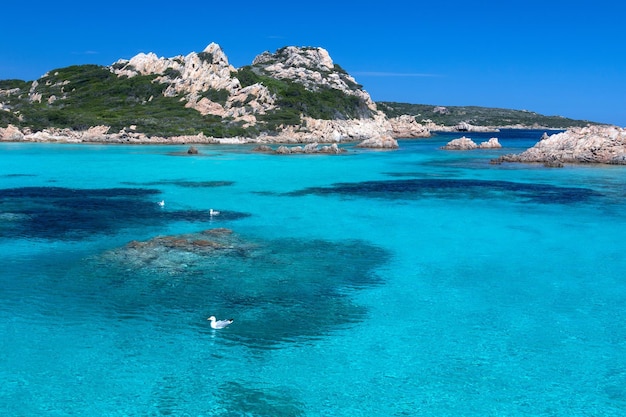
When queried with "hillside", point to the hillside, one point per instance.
{"points": [[296, 94], [187, 95], [477, 116]]}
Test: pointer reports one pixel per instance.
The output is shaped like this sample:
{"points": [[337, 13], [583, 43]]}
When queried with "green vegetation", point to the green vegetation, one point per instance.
{"points": [[217, 96], [172, 74], [11, 84], [78, 97], [477, 116], [206, 57]]}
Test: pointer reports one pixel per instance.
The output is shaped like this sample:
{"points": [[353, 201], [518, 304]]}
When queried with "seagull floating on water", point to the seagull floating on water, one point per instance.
{"points": [[213, 212], [161, 203], [219, 324]]}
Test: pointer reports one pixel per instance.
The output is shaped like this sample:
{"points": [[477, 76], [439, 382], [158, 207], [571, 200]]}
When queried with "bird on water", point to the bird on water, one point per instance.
{"points": [[219, 324]]}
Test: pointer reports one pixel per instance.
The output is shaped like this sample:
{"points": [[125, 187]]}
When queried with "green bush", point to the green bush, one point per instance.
{"points": [[218, 96], [206, 57]]}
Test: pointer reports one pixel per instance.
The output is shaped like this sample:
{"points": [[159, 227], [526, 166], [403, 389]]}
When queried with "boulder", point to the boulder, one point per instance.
{"points": [[492, 143], [460, 144], [11, 133], [379, 142]]}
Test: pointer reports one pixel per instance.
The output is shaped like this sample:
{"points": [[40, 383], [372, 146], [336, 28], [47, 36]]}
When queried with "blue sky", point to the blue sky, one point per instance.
{"points": [[557, 57]]}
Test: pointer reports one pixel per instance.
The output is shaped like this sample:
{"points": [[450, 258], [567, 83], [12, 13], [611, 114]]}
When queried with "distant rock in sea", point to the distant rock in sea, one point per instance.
{"points": [[492, 143], [583, 145], [464, 144], [460, 144]]}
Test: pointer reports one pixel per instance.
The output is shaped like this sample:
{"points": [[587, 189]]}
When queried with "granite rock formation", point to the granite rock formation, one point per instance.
{"points": [[464, 144], [460, 144], [492, 143], [406, 126], [592, 144]]}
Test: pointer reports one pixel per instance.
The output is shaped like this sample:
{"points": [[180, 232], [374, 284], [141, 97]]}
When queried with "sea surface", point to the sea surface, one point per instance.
{"points": [[414, 282]]}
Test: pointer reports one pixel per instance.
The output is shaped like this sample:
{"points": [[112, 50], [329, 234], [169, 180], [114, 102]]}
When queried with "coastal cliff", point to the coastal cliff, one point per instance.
{"points": [[581, 145]]}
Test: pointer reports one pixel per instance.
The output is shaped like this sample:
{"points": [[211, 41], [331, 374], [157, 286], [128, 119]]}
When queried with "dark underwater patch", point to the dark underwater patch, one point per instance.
{"points": [[454, 189], [182, 183], [68, 213], [17, 175], [278, 291]]}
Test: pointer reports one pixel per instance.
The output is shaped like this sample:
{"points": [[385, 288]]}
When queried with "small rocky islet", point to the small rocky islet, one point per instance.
{"points": [[579, 145]]}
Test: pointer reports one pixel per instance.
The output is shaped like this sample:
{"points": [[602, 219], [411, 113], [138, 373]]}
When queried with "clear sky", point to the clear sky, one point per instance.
{"points": [[553, 57]]}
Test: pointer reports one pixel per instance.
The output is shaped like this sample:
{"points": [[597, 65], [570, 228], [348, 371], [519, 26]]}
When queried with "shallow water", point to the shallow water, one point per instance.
{"points": [[373, 283]]}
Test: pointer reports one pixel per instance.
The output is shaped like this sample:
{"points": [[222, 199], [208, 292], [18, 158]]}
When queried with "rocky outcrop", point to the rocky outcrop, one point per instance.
{"points": [[379, 143], [406, 126], [313, 68], [460, 144], [195, 74], [592, 144], [464, 144], [331, 131], [492, 143], [11, 133]]}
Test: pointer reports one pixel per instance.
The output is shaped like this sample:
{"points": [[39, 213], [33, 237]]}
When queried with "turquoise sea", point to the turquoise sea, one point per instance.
{"points": [[415, 282]]}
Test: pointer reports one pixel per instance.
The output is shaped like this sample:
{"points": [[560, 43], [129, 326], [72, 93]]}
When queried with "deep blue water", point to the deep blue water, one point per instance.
{"points": [[373, 283]]}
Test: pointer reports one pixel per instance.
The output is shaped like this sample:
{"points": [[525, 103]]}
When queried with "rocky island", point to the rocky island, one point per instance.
{"points": [[580, 145], [295, 95]]}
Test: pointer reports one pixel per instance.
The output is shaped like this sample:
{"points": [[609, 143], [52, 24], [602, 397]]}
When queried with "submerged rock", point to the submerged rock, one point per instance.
{"points": [[250, 278], [308, 149]]}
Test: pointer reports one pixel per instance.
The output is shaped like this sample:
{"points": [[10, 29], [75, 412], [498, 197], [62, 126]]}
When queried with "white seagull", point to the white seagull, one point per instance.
{"points": [[219, 324], [213, 212], [161, 203]]}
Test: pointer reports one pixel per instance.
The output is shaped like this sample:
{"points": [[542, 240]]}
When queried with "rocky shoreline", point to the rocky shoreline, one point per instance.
{"points": [[586, 145], [378, 132], [100, 134]]}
